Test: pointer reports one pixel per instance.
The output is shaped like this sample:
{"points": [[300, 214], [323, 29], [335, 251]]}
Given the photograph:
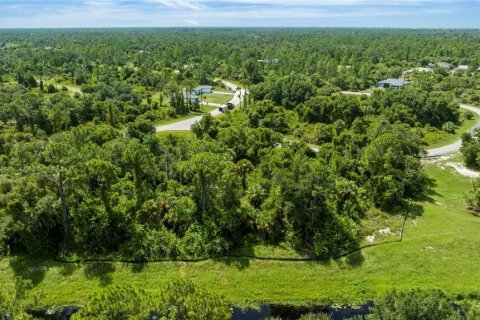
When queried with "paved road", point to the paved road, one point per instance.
{"points": [[224, 93], [442, 151], [454, 147], [210, 104], [185, 125]]}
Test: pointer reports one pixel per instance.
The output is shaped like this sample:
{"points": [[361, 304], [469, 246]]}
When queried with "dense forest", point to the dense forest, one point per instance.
{"points": [[297, 164]]}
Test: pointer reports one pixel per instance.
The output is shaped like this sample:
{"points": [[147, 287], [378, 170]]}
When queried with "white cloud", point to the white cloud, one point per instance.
{"points": [[192, 22], [180, 4], [171, 13]]}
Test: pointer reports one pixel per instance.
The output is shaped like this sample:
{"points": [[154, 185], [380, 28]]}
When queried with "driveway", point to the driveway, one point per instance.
{"points": [[185, 125]]}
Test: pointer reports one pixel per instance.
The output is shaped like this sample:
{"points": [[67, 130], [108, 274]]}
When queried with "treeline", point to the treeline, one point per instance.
{"points": [[348, 59]]}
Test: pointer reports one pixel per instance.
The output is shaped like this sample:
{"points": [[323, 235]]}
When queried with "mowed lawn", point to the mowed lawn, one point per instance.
{"points": [[216, 98], [441, 249]]}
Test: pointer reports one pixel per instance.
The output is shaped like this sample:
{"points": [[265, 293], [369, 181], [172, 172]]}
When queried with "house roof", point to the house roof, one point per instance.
{"points": [[419, 69], [394, 82], [463, 67], [202, 87], [444, 65]]}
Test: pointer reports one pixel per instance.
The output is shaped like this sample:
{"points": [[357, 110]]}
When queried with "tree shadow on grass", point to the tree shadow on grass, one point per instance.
{"points": [[355, 259], [67, 269], [238, 258], [240, 263], [101, 271], [28, 269], [414, 210], [429, 193], [138, 267]]}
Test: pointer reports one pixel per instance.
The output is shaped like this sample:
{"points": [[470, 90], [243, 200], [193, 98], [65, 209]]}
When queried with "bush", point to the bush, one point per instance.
{"points": [[116, 303], [180, 300], [468, 115], [448, 127], [414, 304], [51, 88], [473, 197]]}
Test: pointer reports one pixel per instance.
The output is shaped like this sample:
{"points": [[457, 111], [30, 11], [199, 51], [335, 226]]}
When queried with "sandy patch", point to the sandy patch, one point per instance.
{"points": [[437, 159], [386, 232], [462, 170]]}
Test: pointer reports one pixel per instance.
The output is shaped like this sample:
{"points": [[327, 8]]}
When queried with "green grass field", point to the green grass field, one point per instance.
{"points": [[440, 138], [216, 98], [439, 250]]}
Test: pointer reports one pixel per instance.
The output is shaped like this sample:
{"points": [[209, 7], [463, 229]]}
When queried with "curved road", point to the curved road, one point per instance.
{"points": [[448, 149], [185, 125], [454, 147]]}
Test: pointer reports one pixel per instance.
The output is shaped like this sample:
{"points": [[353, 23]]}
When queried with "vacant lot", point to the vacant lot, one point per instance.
{"points": [[440, 250]]}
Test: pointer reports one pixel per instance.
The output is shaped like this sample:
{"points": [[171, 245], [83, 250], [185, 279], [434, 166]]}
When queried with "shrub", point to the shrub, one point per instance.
{"points": [[468, 115], [448, 127], [180, 300], [414, 304]]}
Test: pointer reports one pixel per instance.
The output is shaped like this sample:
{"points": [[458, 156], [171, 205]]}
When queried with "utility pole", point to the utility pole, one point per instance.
{"points": [[405, 219]]}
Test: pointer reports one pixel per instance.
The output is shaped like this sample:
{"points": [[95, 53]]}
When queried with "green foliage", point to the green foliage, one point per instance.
{"points": [[183, 300], [312, 316], [471, 148], [117, 303], [414, 304], [83, 172], [179, 300], [448, 127], [473, 196]]}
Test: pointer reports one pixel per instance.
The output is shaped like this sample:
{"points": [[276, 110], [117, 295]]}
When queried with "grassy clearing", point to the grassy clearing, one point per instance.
{"points": [[440, 250], [222, 89], [440, 138], [180, 134], [216, 98], [191, 114]]}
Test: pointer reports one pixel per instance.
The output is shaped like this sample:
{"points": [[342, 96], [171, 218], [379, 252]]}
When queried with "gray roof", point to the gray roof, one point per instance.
{"points": [[444, 65], [394, 82], [202, 87]]}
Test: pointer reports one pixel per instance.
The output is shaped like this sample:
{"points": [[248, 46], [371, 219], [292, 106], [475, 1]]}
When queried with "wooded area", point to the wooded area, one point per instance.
{"points": [[83, 172]]}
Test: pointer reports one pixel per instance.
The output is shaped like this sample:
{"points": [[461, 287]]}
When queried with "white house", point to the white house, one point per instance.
{"points": [[202, 90]]}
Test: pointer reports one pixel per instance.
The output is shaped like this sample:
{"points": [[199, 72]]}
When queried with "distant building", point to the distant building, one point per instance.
{"points": [[269, 61], [192, 96], [202, 89], [392, 83], [445, 65], [409, 72], [463, 67]]}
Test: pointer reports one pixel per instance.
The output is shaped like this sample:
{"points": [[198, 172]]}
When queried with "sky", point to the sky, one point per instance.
{"points": [[240, 13]]}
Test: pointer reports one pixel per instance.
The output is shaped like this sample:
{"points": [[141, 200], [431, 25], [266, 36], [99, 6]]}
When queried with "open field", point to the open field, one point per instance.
{"points": [[439, 250]]}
